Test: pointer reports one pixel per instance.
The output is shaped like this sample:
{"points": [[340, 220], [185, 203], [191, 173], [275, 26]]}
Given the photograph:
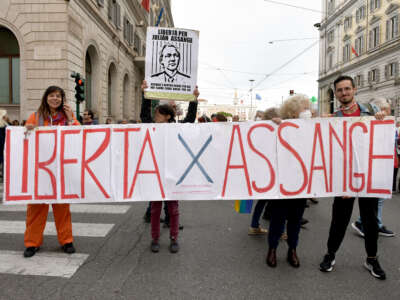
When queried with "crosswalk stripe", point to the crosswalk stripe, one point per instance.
{"points": [[42, 264], [78, 208], [78, 229]]}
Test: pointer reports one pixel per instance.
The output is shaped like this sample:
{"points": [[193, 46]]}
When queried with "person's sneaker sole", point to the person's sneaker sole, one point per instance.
{"points": [[371, 270], [360, 233], [386, 234], [330, 269]]}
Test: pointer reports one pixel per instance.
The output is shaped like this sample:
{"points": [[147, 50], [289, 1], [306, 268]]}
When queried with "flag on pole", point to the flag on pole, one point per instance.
{"points": [[354, 51], [243, 206], [159, 17], [146, 5], [258, 97]]}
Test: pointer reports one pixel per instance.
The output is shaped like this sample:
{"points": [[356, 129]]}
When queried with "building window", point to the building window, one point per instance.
{"points": [[136, 44], [331, 6], [346, 53], [331, 36], [374, 37], [358, 80], [128, 31], [9, 68], [114, 13], [359, 45], [347, 23], [373, 76], [360, 14], [374, 4], [391, 70], [330, 60], [392, 28]]}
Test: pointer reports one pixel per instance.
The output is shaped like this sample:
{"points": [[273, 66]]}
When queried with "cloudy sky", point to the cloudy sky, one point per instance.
{"points": [[235, 47]]}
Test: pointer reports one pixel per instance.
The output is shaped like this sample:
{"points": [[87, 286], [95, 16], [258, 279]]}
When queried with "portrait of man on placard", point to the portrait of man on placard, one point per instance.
{"points": [[169, 60]]}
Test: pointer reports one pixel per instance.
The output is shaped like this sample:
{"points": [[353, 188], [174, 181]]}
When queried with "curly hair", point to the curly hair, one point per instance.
{"points": [[293, 106], [271, 113]]}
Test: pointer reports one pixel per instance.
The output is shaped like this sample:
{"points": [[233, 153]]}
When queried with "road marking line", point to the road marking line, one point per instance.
{"points": [[42, 264], [78, 208], [78, 229]]}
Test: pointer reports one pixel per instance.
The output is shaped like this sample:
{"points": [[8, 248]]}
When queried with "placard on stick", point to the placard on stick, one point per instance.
{"points": [[171, 63]]}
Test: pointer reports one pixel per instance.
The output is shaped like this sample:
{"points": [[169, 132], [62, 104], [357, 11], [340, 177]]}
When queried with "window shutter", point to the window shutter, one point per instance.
{"points": [[396, 26], [118, 15], [110, 9], [387, 71], [387, 30], [371, 5], [125, 28], [378, 4], [377, 75], [378, 35], [369, 76], [370, 40], [396, 69]]}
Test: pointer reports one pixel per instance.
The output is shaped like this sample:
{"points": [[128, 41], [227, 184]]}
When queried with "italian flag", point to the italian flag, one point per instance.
{"points": [[146, 5]]}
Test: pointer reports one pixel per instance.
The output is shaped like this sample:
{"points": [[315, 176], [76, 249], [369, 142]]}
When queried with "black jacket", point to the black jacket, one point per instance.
{"points": [[145, 112]]}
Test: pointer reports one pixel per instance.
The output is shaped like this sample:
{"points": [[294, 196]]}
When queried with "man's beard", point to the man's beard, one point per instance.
{"points": [[345, 101]]}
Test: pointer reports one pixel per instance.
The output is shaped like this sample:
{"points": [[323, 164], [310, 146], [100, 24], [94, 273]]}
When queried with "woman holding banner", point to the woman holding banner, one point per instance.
{"points": [[288, 211], [53, 111]]}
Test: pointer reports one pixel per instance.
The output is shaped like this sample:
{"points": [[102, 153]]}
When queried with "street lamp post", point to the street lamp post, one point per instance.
{"points": [[251, 98]]}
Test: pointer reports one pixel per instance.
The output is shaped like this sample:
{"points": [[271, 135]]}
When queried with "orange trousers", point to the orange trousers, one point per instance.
{"points": [[36, 217]]}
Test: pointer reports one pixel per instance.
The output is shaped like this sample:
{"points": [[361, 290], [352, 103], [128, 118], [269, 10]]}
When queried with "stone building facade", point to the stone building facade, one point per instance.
{"points": [[43, 42], [360, 38]]}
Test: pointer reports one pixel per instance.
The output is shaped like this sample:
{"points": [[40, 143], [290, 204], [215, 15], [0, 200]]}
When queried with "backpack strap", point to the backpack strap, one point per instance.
{"points": [[370, 109]]}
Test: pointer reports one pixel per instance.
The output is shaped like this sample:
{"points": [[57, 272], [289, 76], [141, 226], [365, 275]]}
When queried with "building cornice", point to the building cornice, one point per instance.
{"points": [[325, 22]]}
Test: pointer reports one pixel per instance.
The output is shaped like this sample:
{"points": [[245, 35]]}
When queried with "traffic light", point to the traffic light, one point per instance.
{"points": [[291, 92], [79, 87]]}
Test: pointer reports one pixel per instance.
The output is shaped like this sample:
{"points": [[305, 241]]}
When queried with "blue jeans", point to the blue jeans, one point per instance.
{"points": [[258, 209], [379, 213]]}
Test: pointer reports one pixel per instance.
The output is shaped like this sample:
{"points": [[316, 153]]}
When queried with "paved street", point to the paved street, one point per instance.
{"points": [[218, 260]]}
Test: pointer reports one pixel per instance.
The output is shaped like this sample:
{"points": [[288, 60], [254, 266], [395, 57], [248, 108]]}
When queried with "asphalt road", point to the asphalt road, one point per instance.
{"points": [[217, 260]]}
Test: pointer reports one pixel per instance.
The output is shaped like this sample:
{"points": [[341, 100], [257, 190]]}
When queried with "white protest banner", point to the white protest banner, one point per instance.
{"points": [[252, 160], [171, 63]]}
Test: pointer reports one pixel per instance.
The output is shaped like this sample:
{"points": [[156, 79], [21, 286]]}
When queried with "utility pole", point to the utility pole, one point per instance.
{"points": [[251, 99]]}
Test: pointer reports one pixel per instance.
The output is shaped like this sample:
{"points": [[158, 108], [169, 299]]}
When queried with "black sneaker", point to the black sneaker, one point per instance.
{"points": [[174, 246], [68, 248], [385, 232], [357, 226], [373, 266], [328, 263], [155, 246], [31, 251]]}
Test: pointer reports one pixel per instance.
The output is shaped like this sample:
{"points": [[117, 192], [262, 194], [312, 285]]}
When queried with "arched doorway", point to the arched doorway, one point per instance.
{"points": [[111, 90], [92, 73], [331, 98], [9, 68], [126, 93]]}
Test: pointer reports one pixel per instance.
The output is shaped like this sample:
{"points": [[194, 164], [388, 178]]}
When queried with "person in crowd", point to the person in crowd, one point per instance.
{"points": [[213, 118], [287, 212], [343, 206], [255, 228], [4, 122], [15, 123], [88, 117], [109, 121], [164, 114], [53, 110], [235, 118], [203, 119], [385, 107], [189, 118], [220, 117]]}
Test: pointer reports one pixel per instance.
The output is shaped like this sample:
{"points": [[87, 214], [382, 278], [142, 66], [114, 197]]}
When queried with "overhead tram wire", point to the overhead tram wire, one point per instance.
{"points": [[286, 63], [295, 6]]}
